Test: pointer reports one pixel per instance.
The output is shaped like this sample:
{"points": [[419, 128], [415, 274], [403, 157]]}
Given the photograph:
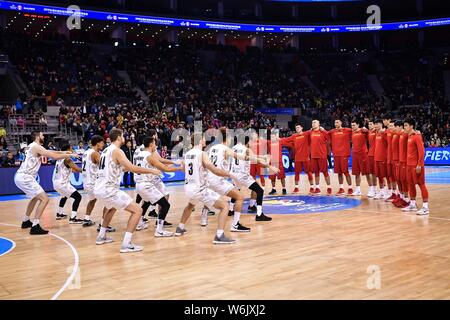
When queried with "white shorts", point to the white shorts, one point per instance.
{"points": [[220, 185], [149, 192], [116, 199], [205, 195], [89, 194], [28, 184], [161, 187], [243, 180], [64, 189]]}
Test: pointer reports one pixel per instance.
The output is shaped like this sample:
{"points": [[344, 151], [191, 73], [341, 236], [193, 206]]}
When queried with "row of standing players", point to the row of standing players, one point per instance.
{"points": [[206, 181], [390, 154]]}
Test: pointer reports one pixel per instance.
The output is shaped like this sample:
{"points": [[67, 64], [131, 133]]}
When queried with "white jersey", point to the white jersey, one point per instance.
{"points": [[136, 153], [218, 156], [195, 174], [239, 166], [61, 174], [32, 162], [141, 161], [90, 169], [109, 172]]}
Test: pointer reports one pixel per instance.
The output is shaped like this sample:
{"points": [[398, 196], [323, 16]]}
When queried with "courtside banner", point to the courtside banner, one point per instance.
{"points": [[45, 176], [437, 156]]}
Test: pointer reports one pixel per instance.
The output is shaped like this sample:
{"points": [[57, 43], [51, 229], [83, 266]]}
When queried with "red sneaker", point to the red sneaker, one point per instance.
{"points": [[404, 204], [350, 192], [296, 190], [317, 191], [329, 191], [311, 190], [397, 201], [341, 192]]}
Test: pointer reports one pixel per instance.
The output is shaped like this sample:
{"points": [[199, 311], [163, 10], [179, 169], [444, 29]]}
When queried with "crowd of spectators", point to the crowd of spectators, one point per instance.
{"points": [[221, 86]]}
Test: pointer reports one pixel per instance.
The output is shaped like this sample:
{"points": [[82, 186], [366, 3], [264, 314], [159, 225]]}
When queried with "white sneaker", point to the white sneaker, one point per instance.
{"points": [[131, 248], [356, 193], [423, 212], [103, 240], [163, 234], [409, 208], [371, 194], [378, 196], [141, 226]]}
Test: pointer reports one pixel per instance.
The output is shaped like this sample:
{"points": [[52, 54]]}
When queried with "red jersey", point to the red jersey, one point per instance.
{"points": [[402, 146], [340, 141], [371, 138], [259, 147], [301, 143], [395, 146], [319, 140], [389, 135], [381, 146], [275, 151], [359, 142], [415, 151]]}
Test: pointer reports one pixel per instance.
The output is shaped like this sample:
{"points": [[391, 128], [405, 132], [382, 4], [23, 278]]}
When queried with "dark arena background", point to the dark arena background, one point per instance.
{"points": [[343, 178]]}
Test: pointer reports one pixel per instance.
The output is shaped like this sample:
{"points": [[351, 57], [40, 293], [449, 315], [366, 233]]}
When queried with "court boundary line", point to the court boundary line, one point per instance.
{"points": [[75, 264], [10, 249]]}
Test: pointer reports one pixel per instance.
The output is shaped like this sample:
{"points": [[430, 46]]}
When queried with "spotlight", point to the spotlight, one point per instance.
{"points": [[116, 44]]}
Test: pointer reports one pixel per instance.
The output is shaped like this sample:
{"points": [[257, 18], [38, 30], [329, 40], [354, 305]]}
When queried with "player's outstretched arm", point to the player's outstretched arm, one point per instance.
{"points": [[154, 160], [72, 165], [119, 156], [211, 167], [57, 155]]}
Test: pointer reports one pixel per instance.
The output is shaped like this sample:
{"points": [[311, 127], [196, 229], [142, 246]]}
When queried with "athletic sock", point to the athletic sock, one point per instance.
{"points": [[73, 214], [231, 206], [252, 202], [358, 189], [87, 217], [35, 222], [341, 186], [413, 202], [258, 210], [160, 226], [181, 226], [26, 218], [127, 239], [296, 186], [236, 217], [219, 233], [102, 232], [425, 205]]}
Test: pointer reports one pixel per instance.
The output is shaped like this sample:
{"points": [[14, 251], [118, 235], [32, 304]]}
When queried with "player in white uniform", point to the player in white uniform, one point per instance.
{"points": [[107, 188], [62, 185], [91, 160], [196, 188], [242, 178], [149, 186], [25, 180]]}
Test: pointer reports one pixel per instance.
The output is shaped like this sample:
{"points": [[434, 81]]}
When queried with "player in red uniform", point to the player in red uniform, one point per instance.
{"points": [[415, 168], [394, 157], [371, 155], [380, 158], [340, 145], [276, 159], [389, 172], [360, 158], [259, 148], [402, 155], [319, 141], [301, 143]]}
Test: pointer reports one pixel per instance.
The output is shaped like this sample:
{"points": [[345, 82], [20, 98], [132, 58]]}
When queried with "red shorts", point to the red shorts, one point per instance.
{"points": [[280, 175], [380, 169], [360, 164], [319, 165], [299, 165], [340, 164], [402, 171], [255, 170], [412, 176], [371, 165]]}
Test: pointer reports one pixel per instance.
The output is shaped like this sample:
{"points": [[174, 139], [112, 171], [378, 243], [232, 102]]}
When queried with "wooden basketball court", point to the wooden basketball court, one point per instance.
{"points": [[372, 251]]}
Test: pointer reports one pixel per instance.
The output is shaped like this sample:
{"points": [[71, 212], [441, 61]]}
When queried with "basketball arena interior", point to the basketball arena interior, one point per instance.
{"points": [[224, 150]]}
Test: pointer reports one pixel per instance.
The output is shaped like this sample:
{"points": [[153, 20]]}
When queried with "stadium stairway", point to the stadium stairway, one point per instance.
{"points": [[375, 85]]}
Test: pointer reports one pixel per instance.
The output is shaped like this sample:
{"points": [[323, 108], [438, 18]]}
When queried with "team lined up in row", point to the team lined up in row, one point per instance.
{"points": [[389, 153]]}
